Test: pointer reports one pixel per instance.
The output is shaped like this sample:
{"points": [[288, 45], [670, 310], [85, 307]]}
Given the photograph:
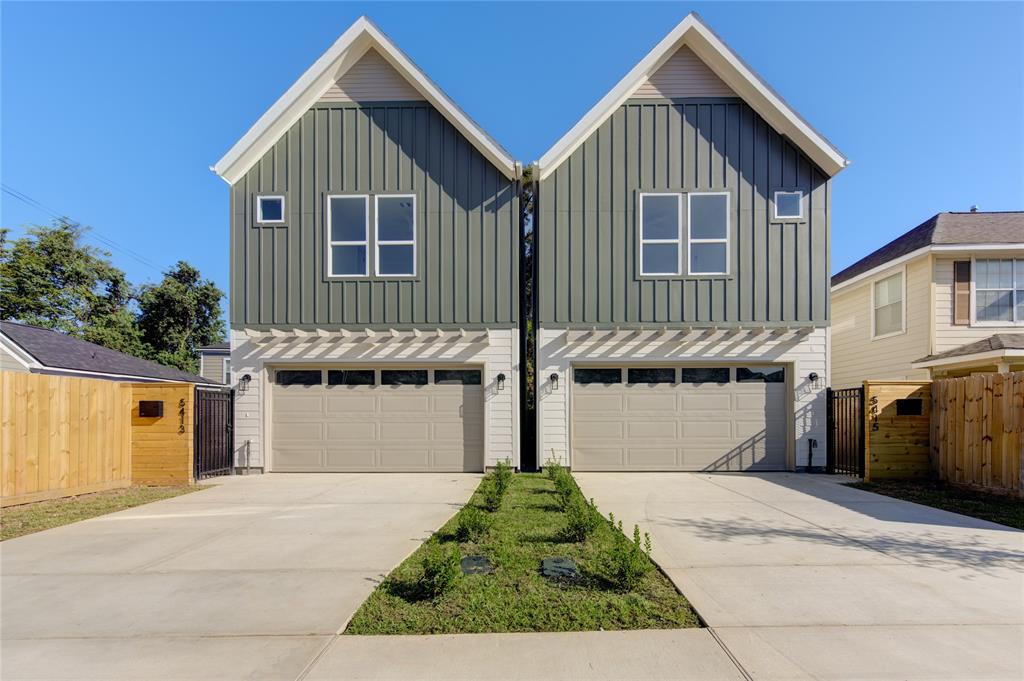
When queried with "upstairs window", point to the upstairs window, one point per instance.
{"points": [[887, 306], [999, 291], [347, 236], [396, 236], [709, 233], [660, 234], [789, 205], [269, 210]]}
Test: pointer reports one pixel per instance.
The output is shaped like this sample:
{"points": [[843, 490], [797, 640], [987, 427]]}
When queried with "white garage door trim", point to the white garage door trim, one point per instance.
{"points": [[732, 365], [376, 366]]}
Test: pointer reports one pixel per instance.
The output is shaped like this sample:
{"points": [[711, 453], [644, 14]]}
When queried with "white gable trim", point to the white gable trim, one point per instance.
{"points": [[693, 33], [18, 353], [319, 77]]}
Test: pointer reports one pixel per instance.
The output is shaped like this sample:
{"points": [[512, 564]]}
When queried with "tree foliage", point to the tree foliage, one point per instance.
{"points": [[50, 278]]}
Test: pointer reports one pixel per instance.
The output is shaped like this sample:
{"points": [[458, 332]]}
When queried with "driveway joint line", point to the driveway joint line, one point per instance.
{"points": [[739, 666]]}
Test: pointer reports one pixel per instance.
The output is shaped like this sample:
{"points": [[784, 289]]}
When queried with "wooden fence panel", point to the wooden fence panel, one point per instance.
{"points": [[61, 436], [896, 445], [163, 447], [978, 430]]}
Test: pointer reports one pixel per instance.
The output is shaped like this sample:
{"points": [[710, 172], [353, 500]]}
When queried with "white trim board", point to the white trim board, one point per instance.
{"points": [[318, 78], [728, 66]]}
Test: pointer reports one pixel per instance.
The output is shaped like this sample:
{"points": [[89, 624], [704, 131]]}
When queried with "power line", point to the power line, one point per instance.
{"points": [[65, 219]]}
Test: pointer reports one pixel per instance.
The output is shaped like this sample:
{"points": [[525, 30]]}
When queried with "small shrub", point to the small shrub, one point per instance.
{"points": [[472, 524], [629, 561], [503, 476], [490, 494], [553, 469], [565, 487], [440, 569], [581, 519]]}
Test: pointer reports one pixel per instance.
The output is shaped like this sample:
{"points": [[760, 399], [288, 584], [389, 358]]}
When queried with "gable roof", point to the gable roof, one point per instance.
{"points": [[55, 350], [321, 76], [733, 71], [942, 229]]}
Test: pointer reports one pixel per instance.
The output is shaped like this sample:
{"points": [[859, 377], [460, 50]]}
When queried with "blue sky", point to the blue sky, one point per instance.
{"points": [[112, 113]]}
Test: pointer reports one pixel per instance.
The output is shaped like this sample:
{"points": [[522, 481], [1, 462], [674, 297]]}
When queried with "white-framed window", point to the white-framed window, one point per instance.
{"points": [[789, 205], [395, 235], [348, 235], [269, 210], [888, 306], [227, 371], [998, 295], [708, 233], [661, 234]]}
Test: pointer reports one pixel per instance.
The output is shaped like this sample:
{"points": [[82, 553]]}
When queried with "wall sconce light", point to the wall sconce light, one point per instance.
{"points": [[501, 381], [554, 381], [243, 383], [813, 377]]}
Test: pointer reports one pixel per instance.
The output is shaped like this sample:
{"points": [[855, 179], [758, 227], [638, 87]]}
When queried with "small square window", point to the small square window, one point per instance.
{"points": [[789, 205], [269, 209]]}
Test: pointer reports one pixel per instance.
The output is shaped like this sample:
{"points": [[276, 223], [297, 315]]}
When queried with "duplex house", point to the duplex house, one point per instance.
{"points": [[374, 297], [683, 262], [944, 299]]}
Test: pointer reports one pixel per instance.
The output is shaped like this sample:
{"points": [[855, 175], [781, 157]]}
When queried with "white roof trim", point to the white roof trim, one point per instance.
{"points": [[17, 352], [693, 33], [987, 356], [332, 64]]}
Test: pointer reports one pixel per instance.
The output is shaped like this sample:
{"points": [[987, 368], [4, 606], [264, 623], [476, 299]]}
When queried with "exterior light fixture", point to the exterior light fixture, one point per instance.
{"points": [[813, 377], [243, 383], [501, 381], [554, 381]]}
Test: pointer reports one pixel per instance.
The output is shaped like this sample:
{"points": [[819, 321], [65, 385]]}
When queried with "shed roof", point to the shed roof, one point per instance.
{"points": [[994, 343]]}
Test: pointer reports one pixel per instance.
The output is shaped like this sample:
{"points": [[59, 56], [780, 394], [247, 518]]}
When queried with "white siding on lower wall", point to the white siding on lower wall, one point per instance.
{"points": [[804, 352], [499, 355]]}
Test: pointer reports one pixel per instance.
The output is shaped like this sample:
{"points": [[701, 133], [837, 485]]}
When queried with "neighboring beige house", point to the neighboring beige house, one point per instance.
{"points": [[944, 299], [215, 362]]}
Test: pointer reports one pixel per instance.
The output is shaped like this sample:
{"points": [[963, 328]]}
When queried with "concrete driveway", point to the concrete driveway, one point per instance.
{"points": [[249, 579], [801, 577]]}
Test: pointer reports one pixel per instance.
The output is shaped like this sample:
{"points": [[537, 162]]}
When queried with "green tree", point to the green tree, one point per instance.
{"points": [[178, 315], [49, 278]]}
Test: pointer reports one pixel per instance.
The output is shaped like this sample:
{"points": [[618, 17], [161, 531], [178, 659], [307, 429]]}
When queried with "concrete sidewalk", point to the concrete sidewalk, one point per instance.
{"points": [[801, 577]]}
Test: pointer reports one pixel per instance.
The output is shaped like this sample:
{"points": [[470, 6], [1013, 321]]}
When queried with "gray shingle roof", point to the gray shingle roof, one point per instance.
{"points": [[944, 228], [999, 341], [216, 346], [56, 350]]}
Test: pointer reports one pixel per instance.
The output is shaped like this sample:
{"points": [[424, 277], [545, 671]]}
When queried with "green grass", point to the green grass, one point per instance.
{"points": [[527, 528], [996, 508], [16, 521]]}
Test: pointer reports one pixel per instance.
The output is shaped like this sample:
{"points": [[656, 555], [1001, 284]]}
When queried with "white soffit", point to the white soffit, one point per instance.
{"points": [[332, 64], [725, 63]]}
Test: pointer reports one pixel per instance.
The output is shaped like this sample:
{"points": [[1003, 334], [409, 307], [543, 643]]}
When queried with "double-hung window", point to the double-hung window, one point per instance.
{"points": [[999, 291], [347, 236], [661, 219], [395, 235], [709, 232], [887, 306]]}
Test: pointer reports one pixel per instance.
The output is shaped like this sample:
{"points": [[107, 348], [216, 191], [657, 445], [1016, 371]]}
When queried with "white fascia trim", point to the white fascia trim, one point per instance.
{"points": [[332, 64], [727, 65], [41, 369], [16, 351], [986, 357]]}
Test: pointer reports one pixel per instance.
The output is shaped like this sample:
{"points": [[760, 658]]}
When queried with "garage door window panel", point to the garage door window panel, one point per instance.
{"points": [[403, 377], [589, 376], [299, 377], [350, 377], [761, 375], [457, 377], [651, 376], [698, 375]]}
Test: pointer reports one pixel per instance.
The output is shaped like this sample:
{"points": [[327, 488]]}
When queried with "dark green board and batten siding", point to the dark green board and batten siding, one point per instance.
{"points": [[587, 264], [467, 224]]}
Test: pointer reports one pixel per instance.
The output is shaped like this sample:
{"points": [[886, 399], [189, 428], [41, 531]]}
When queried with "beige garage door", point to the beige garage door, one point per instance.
{"points": [[379, 419], [679, 418]]}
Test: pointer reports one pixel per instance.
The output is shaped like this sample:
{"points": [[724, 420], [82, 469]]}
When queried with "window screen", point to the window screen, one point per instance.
{"points": [[299, 377], [587, 376], [350, 377], [457, 376], [651, 375], [403, 377]]}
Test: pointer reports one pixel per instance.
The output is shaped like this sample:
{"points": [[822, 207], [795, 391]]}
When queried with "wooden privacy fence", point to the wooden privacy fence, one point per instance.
{"points": [[977, 434], [61, 436]]}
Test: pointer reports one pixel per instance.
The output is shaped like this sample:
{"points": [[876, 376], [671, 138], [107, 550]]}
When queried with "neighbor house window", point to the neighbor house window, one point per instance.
{"points": [[227, 371], [789, 205], [999, 291], [660, 234], [709, 233], [269, 209], [887, 306], [395, 235], [347, 236]]}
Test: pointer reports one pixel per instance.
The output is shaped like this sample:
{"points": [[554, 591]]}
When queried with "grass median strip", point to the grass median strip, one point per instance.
{"points": [[16, 521], [996, 508], [528, 526]]}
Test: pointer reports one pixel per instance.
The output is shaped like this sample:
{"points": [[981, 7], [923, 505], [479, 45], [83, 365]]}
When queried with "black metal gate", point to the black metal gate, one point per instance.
{"points": [[215, 414], [846, 431]]}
